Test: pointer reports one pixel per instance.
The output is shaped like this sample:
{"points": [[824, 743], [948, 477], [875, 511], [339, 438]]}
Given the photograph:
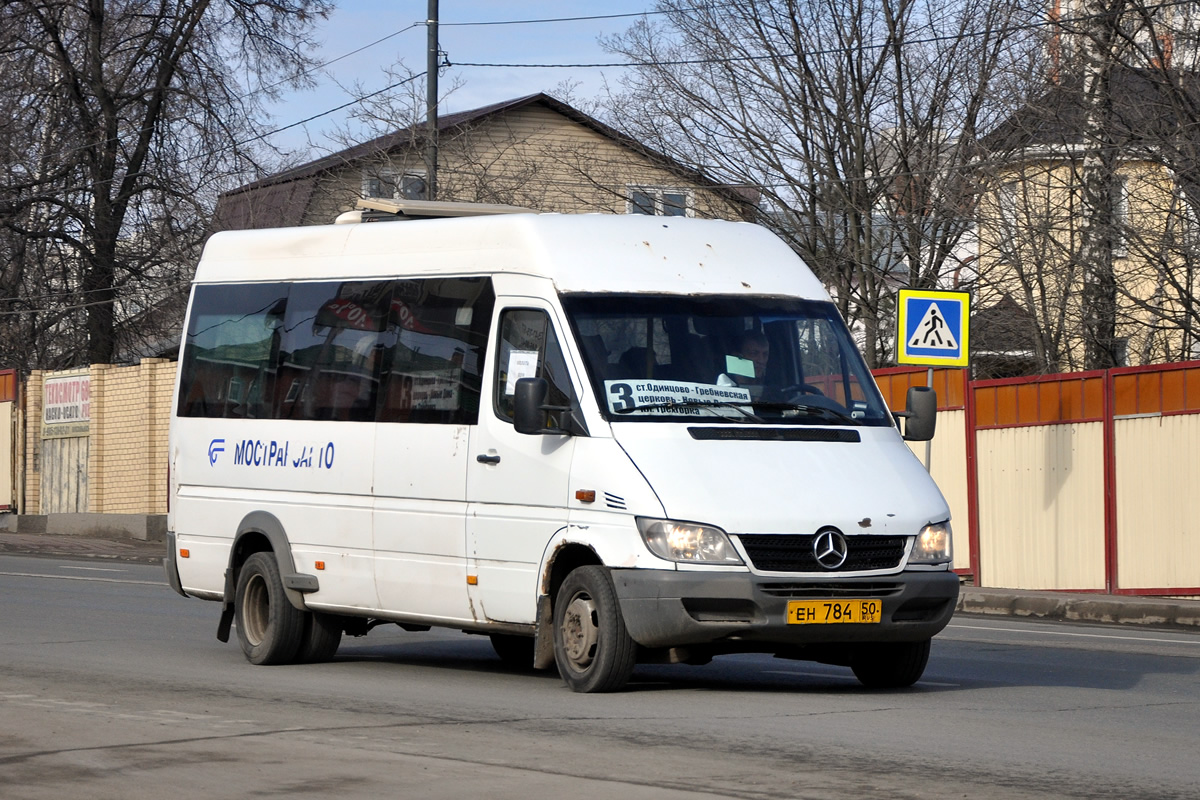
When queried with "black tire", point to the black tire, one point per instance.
{"points": [[514, 651], [591, 646], [269, 627], [322, 633], [890, 665]]}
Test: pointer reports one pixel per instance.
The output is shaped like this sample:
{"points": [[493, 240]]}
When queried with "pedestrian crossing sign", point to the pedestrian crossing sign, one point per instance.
{"points": [[932, 329]]}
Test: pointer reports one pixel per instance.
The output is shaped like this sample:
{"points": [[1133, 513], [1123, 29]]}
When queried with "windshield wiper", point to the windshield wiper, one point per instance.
{"points": [[810, 409], [740, 407]]}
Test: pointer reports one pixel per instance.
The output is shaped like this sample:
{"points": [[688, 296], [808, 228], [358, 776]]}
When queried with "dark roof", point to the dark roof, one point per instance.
{"points": [[1004, 328], [281, 199], [1148, 107]]}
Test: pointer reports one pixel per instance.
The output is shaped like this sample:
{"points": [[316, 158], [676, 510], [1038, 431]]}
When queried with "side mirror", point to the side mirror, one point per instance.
{"points": [[529, 416], [920, 416]]}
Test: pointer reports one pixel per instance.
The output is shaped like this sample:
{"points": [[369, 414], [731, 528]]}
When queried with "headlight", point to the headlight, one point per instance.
{"points": [[687, 541], [933, 545]]}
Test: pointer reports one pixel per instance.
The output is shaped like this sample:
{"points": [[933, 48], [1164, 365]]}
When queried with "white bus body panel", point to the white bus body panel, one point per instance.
{"points": [[873, 486], [410, 524]]}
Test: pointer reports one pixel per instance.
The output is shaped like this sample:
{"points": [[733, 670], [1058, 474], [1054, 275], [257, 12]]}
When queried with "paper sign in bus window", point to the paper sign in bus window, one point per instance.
{"points": [[521, 364], [735, 365]]}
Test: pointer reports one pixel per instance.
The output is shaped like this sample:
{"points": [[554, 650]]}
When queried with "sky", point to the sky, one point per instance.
{"points": [[358, 23]]}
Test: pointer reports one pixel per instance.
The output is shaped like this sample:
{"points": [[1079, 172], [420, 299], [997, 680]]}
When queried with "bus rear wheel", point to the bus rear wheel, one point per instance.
{"points": [[320, 637], [591, 646], [269, 627]]}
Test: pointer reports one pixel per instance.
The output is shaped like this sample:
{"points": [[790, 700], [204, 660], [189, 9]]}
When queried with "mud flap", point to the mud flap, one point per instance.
{"points": [[543, 641], [226, 608]]}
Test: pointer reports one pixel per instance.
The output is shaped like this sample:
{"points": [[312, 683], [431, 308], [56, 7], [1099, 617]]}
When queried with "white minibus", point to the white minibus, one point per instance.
{"points": [[599, 440]]}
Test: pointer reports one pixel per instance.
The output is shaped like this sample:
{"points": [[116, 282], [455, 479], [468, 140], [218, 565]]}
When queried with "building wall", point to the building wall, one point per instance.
{"points": [[532, 157], [120, 464], [1029, 228]]}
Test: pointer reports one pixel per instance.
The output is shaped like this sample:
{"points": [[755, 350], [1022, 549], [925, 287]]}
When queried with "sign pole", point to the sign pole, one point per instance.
{"points": [[928, 443], [932, 330]]}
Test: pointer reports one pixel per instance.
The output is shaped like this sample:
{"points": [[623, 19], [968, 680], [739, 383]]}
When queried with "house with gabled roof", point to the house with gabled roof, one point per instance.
{"points": [[1032, 213], [534, 151]]}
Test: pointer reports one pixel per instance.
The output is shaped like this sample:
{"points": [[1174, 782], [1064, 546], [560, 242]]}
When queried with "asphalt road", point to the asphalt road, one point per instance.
{"points": [[111, 686]]}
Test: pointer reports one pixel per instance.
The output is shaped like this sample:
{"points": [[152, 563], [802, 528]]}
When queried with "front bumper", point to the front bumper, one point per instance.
{"points": [[742, 610]]}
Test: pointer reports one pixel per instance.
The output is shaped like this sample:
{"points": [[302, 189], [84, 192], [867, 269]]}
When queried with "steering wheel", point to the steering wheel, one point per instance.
{"points": [[800, 388]]}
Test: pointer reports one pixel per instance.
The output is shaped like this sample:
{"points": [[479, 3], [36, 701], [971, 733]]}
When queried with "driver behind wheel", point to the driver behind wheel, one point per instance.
{"points": [[747, 364]]}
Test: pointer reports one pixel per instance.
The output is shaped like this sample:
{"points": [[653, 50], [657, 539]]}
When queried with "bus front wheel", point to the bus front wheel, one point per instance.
{"points": [[890, 665], [269, 627], [591, 646]]}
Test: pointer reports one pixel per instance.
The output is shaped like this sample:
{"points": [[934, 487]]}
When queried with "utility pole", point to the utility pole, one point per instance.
{"points": [[431, 103]]}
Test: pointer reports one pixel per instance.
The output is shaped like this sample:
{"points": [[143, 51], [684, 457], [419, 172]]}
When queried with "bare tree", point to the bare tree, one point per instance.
{"points": [[126, 116], [858, 120], [1091, 228]]}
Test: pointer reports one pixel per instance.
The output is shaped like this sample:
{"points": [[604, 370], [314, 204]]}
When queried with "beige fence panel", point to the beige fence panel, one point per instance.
{"points": [[1158, 502], [948, 467], [1041, 506], [7, 456], [948, 450]]}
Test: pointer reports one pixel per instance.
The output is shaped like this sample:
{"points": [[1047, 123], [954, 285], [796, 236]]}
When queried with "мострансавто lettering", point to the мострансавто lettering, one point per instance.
{"points": [[259, 453]]}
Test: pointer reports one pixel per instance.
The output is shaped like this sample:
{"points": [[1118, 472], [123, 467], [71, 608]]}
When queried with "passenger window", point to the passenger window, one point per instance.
{"points": [[433, 356], [330, 350], [229, 363], [528, 348]]}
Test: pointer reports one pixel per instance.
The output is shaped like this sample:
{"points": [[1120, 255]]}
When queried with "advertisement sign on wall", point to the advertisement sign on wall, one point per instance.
{"points": [[66, 406]]}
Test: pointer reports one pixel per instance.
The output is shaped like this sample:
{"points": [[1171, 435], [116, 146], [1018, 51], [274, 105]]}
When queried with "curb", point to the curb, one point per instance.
{"points": [[1081, 607]]}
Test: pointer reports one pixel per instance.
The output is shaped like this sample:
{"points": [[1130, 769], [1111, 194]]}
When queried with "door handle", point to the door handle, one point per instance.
{"points": [[485, 459]]}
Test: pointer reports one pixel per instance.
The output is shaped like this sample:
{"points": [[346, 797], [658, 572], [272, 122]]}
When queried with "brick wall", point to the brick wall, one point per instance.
{"points": [[33, 443], [127, 438]]}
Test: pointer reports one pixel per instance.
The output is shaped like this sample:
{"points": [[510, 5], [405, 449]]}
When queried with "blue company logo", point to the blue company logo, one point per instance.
{"points": [[214, 447]]}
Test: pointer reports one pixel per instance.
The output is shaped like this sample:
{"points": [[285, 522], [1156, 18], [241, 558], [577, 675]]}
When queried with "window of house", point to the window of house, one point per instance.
{"points": [[1121, 351], [1120, 215], [1006, 202], [390, 184], [659, 201]]}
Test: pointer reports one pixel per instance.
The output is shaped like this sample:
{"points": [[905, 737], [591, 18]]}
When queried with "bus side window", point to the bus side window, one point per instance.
{"points": [[230, 360], [433, 350], [330, 350], [529, 348]]}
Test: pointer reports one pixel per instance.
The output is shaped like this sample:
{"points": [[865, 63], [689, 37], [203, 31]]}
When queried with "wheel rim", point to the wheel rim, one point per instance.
{"points": [[256, 610], [580, 632]]}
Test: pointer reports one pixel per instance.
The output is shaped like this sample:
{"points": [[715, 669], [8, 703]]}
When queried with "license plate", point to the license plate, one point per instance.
{"points": [[828, 612]]}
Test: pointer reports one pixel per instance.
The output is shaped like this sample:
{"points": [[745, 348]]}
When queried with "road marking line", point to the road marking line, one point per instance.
{"points": [[1081, 635], [94, 569], [78, 578]]}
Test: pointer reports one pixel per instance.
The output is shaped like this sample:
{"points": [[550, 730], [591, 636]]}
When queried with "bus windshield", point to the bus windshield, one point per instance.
{"points": [[726, 359]]}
